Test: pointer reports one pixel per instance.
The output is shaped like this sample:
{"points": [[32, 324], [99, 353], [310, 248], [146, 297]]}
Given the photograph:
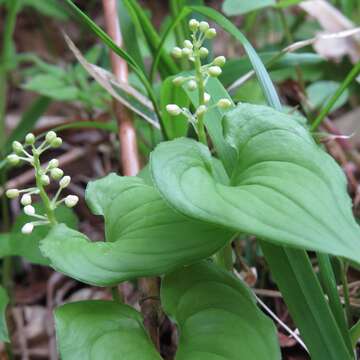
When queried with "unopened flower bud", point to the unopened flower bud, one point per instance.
{"points": [[56, 173], [45, 180], [210, 34], [178, 81], [224, 103], [201, 110], [26, 200], [207, 98], [30, 139], [219, 61], [71, 200], [65, 181], [56, 142], [176, 52], [27, 228], [17, 147], [203, 26], [215, 71], [50, 136], [12, 193], [13, 159], [193, 24], [173, 109], [54, 163], [192, 85], [188, 44], [204, 52], [186, 52], [29, 210]]}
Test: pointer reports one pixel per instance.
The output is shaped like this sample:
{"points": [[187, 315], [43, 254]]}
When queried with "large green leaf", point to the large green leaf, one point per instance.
{"points": [[27, 246], [284, 188], [217, 316], [90, 330], [4, 300], [144, 236]]}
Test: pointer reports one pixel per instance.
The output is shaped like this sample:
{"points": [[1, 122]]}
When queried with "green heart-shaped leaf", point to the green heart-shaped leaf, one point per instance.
{"points": [[284, 187], [217, 316], [89, 330], [144, 236]]}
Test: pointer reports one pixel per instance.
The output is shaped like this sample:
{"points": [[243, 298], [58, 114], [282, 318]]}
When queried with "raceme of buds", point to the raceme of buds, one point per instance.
{"points": [[194, 50], [31, 154]]}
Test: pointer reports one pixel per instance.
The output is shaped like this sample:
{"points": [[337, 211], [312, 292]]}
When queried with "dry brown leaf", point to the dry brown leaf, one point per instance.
{"points": [[332, 20]]}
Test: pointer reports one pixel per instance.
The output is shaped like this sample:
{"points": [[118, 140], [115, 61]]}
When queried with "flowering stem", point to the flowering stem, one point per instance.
{"points": [[44, 197], [200, 82]]}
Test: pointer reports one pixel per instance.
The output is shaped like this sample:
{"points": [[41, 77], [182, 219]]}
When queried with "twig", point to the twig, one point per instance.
{"points": [[130, 161]]}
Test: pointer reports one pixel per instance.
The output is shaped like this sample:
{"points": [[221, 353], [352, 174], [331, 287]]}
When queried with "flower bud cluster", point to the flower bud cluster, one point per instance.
{"points": [[194, 51], [43, 176]]}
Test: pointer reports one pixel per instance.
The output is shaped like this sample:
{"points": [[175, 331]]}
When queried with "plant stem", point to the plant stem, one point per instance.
{"points": [[355, 333], [343, 267], [115, 294], [224, 257], [43, 195], [200, 83]]}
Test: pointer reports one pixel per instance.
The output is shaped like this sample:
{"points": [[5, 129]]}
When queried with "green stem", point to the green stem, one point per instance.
{"points": [[200, 83], [43, 195], [343, 267], [329, 283], [115, 294], [324, 112], [355, 333], [224, 257]]}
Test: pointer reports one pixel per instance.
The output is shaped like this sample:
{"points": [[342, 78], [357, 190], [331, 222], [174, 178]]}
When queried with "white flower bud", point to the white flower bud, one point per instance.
{"points": [[45, 180], [210, 34], [13, 159], [29, 210], [54, 163], [27, 228], [224, 103], [178, 81], [188, 44], [65, 181], [219, 61], [215, 71], [26, 200], [173, 109], [204, 52], [176, 52], [192, 85], [201, 110], [12, 193], [30, 139], [50, 136], [71, 200], [193, 24], [56, 142], [203, 26], [207, 98], [56, 174], [187, 52], [17, 147]]}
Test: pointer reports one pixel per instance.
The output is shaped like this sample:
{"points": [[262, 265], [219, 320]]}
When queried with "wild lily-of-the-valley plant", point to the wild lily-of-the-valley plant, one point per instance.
{"points": [[177, 220]]}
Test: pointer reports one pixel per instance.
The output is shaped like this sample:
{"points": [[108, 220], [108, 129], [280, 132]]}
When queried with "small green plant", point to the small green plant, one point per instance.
{"points": [[243, 169]]}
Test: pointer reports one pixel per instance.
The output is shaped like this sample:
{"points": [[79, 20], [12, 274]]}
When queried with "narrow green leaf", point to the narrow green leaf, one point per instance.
{"points": [[240, 7], [4, 301], [144, 236], [284, 188], [302, 293], [89, 330], [217, 316]]}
